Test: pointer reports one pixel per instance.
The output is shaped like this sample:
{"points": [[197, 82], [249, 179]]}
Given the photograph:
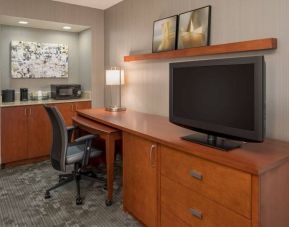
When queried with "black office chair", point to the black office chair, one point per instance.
{"points": [[65, 152]]}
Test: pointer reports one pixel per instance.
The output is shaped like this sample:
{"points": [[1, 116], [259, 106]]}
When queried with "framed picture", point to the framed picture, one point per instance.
{"points": [[164, 35], [34, 60], [194, 28]]}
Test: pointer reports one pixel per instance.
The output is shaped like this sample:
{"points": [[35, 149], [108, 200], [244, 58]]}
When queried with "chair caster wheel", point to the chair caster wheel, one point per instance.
{"points": [[47, 195], [108, 203], [78, 201]]}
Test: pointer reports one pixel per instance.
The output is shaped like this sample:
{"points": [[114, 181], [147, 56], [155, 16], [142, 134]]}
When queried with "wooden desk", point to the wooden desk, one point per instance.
{"points": [[171, 182], [110, 135]]}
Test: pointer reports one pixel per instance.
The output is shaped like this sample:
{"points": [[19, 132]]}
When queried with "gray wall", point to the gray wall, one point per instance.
{"points": [[71, 14], [9, 33], [129, 26], [85, 59]]}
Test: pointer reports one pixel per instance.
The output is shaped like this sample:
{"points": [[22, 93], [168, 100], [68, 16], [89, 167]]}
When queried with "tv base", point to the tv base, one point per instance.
{"points": [[212, 141]]}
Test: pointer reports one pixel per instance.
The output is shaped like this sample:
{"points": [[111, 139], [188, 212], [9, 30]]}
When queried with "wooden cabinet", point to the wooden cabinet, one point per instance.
{"points": [[199, 192], [25, 133], [68, 110], [39, 132], [13, 134], [26, 130], [140, 178]]}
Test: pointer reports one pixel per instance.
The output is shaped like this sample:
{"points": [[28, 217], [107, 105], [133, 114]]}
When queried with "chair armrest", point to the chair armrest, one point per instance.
{"points": [[71, 127], [85, 138]]}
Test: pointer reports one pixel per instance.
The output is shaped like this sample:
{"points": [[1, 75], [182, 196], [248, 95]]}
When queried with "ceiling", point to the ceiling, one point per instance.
{"points": [[98, 4], [13, 21]]}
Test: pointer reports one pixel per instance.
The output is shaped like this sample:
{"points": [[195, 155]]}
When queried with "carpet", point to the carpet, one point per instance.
{"points": [[22, 200]]}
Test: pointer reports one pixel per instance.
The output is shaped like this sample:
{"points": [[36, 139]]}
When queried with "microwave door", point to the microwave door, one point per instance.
{"points": [[65, 92]]}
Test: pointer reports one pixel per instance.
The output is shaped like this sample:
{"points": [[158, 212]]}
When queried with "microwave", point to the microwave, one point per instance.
{"points": [[65, 91]]}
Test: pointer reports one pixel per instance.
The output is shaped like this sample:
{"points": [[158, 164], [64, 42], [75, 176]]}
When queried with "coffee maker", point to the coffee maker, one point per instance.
{"points": [[23, 94]]}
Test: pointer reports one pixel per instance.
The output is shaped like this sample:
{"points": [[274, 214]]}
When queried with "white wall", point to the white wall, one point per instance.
{"points": [[129, 26]]}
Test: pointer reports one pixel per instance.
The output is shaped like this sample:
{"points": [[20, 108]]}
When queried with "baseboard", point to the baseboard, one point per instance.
{"points": [[24, 162]]}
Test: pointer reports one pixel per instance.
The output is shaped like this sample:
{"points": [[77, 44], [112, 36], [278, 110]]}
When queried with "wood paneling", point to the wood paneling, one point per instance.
{"points": [[140, 178], [274, 197], [255, 158], [229, 187], [170, 220], [68, 110], [245, 46], [39, 132], [181, 201], [14, 134]]}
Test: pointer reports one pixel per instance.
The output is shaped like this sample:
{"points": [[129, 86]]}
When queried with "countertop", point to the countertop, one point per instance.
{"points": [[41, 102]]}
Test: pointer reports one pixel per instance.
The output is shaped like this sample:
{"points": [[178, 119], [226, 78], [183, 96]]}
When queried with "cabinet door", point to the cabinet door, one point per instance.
{"points": [[67, 110], [13, 134], [82, 105], [140, 178], [39, 132]]}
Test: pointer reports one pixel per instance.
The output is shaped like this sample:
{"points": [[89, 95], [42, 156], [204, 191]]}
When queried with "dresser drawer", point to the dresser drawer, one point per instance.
{"points": [[224, 185], [195, 209], [170, 220]]}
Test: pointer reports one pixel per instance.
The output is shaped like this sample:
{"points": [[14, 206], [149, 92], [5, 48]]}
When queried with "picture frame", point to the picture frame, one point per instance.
{"points": [[165, 34], [35, 60], [194, 28]]}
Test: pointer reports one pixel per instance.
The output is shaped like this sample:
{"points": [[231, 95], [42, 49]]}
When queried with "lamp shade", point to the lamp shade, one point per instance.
{"points": [[114, 77]]}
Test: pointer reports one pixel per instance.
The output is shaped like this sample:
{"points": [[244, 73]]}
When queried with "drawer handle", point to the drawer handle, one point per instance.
{"points": [[196, 213], [152, 150], [196, 174]]}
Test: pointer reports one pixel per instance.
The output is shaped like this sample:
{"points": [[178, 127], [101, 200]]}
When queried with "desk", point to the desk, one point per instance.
{"points": [[110, 135], [165, 177]]}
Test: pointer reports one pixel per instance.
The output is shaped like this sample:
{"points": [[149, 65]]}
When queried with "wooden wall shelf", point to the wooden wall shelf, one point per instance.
{"points": [[245, 46]]}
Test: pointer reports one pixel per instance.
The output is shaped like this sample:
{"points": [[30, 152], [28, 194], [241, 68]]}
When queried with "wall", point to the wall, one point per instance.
{"points": [[9, 33], [71, 14], [85, 59], [129, 26]]}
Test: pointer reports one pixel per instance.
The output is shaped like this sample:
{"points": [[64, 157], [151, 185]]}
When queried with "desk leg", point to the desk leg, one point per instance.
{"points": [[110, 153]]}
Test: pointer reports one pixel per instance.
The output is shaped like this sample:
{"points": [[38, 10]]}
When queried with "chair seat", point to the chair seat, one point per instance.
{"points": [[75, 153]]}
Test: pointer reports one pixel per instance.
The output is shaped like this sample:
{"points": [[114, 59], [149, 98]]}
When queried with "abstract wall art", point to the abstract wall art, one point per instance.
{"points": [[194, 28], [38, 60], [164, 36]]}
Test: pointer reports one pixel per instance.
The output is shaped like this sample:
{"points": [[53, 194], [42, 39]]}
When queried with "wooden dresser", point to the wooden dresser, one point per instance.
{"points": [[171, 182]]}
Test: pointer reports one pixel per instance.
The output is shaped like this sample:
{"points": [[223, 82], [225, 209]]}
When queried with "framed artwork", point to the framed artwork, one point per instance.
{"points": [[38, 60], [164, 35], [194, 28]]}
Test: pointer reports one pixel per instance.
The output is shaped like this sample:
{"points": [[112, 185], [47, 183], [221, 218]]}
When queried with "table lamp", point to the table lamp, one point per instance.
{"points": [[114, 78]]}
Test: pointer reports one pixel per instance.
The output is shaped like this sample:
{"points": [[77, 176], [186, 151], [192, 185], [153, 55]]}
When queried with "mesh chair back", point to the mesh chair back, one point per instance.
{"points": [[59, 138]]}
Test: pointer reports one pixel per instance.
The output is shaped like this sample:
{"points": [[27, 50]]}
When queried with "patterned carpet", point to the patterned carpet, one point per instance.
{"points": [[22, 201]]}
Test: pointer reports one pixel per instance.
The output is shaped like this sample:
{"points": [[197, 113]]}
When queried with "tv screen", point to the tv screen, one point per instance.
{"points": [[223, 97]]}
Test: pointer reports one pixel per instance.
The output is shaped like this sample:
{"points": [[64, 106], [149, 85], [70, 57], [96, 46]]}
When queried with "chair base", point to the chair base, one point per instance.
{"points": [[76, 175]]}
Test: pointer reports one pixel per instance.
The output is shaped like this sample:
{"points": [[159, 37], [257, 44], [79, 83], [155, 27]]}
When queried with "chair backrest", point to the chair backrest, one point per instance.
{"points": [[59, 138]]}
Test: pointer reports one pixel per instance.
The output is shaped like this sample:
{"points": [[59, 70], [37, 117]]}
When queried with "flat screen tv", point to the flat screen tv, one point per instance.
{"points": [[223, 99]]}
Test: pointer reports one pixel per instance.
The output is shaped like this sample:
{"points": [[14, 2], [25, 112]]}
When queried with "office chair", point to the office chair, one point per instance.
{"points": [[65, 152]]}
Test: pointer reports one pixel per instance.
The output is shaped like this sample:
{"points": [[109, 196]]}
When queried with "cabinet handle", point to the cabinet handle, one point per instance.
{"points": [[152, 162], [25, 111], [30, 111], [72, 107], [196, 213], [197, 175]]}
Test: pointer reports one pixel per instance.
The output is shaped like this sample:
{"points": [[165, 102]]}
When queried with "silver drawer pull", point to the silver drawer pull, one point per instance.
{"points": [[196, 174], [196, 213]]}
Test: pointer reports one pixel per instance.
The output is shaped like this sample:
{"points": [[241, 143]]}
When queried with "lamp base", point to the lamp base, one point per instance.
{"points": [[115, 109]]}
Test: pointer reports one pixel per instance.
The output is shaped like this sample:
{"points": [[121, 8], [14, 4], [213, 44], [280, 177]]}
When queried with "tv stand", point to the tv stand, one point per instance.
{"points": [[212, 141]]}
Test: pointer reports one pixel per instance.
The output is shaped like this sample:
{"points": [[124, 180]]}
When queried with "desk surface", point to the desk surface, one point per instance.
{"points": [[255, 158]]}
